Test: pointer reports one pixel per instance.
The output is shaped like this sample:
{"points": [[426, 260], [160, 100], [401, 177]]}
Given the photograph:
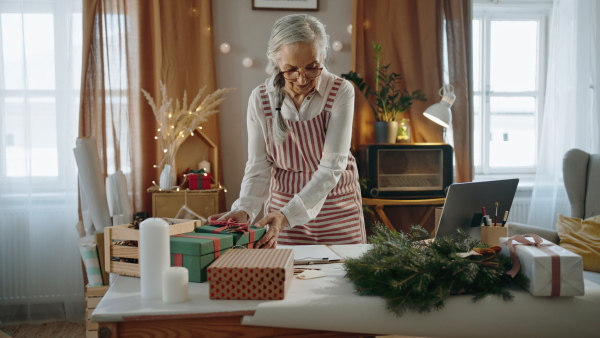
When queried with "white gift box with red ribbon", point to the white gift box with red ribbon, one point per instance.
{"points": [[552, 270]]}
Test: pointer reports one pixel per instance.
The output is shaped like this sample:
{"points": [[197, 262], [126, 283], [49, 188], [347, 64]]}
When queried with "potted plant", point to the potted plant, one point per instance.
{"points": [[389, 100]]}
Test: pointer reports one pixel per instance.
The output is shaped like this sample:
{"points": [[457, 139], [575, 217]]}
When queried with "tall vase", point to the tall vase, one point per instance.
{"points": [[167, 178], [386, 132]]}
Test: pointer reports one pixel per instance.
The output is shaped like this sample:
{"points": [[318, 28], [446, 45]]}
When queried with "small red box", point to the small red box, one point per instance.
{"points": [[193, 178], [206, 178]]}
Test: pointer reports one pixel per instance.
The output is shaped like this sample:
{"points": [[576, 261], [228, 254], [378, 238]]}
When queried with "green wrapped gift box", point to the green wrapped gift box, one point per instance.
{"points": [[196, 251], [244, 236]]}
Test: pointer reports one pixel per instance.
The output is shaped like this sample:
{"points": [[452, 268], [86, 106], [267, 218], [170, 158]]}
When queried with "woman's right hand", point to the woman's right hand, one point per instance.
{"points": [[239, 216]]}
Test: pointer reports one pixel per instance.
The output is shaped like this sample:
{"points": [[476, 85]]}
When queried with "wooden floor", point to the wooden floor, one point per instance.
{"points": [[49, 330]]}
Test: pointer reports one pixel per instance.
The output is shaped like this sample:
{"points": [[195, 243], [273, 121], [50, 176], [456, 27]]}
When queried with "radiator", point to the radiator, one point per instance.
{"points": [[38, 254], [519, 210]]}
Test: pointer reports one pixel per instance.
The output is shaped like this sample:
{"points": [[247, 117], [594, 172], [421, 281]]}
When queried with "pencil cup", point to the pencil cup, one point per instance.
{"points": [[490, 235]]}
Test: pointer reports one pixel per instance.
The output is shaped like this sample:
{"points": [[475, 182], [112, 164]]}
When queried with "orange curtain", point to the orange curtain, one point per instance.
{"points": [[133, 45], [460, 58], [412, 34]]}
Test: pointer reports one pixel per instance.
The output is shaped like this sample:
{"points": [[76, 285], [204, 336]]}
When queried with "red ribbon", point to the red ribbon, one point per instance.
{"points": [[216, 243], [177, 259], [538, 243], [232, 222], [236, 227]]}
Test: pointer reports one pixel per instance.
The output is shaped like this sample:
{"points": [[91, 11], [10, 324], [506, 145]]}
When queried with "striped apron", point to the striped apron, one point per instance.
{"points": [[340, 221]]}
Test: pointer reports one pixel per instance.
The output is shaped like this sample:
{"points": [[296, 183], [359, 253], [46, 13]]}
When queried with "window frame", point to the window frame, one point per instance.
{"points": [[65, 98], [508, 11]]}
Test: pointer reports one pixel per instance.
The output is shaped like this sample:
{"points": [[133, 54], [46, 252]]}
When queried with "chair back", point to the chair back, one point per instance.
{"points": [[581, 172]]}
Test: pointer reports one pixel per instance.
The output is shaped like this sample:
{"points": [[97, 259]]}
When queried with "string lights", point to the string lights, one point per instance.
{"points": [[178, 120]]}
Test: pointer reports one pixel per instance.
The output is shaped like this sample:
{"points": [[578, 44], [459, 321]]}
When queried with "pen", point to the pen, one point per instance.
{"points": [[483, 216], [505, 218], [496, 215]]}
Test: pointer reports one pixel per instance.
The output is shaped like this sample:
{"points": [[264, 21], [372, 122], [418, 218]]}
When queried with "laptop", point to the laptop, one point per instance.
{"points": [[464, 200]]}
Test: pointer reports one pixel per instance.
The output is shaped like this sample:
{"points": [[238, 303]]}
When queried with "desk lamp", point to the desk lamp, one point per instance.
{"points": [[440, 112]]}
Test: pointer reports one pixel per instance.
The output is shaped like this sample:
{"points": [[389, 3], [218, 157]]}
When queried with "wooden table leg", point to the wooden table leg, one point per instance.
{"points": [[108, 330], [383, 217], [425, 217]]}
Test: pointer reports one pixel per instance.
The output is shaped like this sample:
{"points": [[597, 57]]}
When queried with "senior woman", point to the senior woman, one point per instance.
{"points": [[299, 132]]}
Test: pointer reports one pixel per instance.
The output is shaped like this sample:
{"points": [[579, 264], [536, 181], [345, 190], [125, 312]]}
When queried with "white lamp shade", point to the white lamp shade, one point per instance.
{"points": [[440, 112]]}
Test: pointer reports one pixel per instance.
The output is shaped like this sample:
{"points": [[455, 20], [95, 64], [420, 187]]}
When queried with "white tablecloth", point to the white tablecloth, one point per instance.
{"points": [[330, 304]]}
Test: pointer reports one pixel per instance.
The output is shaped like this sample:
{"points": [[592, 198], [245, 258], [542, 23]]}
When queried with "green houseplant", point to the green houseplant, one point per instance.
{"points": [[387, 101]]}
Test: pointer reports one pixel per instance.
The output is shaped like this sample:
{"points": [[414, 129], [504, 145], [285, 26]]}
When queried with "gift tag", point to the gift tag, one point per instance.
{"points": [[310, 274]]}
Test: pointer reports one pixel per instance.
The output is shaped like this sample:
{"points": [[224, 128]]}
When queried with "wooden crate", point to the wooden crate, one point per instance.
{"points": [[118, 233], [93, 296]]}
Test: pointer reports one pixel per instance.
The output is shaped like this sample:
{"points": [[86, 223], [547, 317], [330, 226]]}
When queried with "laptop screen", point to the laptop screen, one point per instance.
{"points": [[464, 200]]}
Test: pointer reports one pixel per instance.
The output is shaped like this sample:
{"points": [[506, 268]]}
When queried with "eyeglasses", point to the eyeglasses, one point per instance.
{"points": [[309, 73]]}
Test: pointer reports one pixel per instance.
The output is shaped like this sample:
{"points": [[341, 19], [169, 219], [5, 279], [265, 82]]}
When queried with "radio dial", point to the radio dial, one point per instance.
{"points": [[374, 192]]}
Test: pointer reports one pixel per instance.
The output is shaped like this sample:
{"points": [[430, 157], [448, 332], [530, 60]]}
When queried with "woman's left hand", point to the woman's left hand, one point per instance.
{"points": [[276, 221]]}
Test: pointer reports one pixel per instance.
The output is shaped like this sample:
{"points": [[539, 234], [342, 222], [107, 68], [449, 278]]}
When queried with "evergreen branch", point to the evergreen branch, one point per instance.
{"points": [[421, 276]]}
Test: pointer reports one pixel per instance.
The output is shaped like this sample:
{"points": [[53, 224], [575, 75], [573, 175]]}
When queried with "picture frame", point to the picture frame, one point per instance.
{"points": [[286, 5]]}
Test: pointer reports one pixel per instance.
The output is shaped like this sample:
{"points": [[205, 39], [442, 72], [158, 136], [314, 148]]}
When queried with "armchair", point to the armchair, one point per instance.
{"points": [[581, 172]]}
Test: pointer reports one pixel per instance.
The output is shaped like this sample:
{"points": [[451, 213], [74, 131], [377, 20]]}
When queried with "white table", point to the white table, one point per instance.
{"points": [[328, 304]]}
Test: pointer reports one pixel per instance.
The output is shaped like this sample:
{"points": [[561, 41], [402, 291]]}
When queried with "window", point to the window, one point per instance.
{"points": [[40, 67], [509, 65]]}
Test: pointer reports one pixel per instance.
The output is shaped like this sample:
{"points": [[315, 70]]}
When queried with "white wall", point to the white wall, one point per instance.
{"points": [[247, 31]]}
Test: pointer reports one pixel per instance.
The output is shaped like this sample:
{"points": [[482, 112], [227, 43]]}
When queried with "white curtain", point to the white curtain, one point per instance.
{"points": [[40, 61], [570, 117]]}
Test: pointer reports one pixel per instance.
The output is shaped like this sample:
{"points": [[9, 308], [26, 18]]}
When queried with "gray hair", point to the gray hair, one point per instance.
{"points": [[291, 29]]}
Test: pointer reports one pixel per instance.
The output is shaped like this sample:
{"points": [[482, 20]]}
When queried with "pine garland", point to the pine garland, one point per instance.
{"points": [[420, 276]]}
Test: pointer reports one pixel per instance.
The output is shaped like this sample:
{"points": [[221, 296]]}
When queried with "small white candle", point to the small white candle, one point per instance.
{"points": [[154, 256], [175, 285], [204, 164]]}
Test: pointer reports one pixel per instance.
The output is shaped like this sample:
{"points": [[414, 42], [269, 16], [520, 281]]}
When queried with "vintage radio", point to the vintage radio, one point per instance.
{"points": [[415, 170]]}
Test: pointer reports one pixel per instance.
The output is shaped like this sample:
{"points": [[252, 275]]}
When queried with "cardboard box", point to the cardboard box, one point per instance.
{"points": [[245, 238], [537, 266], [196, 251], [252, 274], [113, 244], [490, 235]]}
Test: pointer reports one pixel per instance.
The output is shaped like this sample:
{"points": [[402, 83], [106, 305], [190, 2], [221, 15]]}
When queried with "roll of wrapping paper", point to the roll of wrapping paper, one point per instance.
{"points": [[89, 254], [119, 204], [111, 197], [88, 224], [92, 183], [123, 201]]}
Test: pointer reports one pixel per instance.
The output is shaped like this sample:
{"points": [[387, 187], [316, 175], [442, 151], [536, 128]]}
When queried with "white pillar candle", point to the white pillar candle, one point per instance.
{"points": [[204, 164], [175, 285], [154, 256]]}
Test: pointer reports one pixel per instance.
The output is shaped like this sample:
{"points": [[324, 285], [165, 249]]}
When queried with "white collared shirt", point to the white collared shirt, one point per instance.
{"points": [[305, 205]]}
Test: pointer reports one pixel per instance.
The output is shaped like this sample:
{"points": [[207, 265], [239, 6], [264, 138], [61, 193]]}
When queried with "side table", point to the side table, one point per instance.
{"points": [[167, 203], [379, 203]]}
